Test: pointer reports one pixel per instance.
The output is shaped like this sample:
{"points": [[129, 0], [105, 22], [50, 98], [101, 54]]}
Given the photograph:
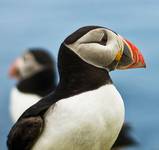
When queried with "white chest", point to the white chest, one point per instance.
{"points": [[88, 121], [19, 102]]}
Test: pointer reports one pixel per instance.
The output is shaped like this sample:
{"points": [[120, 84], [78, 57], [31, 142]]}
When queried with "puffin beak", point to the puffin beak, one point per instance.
{"points": [[138, 60], [13, 70], [131, 57]]}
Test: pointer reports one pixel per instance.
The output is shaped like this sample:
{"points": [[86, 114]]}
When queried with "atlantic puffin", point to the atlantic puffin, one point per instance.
{"points": [[85, 112], [35, 75]]}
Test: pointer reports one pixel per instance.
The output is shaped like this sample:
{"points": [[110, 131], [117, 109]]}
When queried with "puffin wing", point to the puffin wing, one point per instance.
{"points": [[24, 133], [30, 125]]}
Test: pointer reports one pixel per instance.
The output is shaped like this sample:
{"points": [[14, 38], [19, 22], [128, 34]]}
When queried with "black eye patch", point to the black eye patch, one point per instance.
{"points": [[104, 39]]}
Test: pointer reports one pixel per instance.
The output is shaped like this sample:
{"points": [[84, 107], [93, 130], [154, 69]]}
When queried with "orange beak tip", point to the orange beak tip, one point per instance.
{"points": [[13, 71]]}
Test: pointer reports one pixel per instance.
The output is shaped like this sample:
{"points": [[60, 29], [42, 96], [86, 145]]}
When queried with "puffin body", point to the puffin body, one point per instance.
{"points": [[91, 115], [36, 79], [85, 111], [19, 102]]}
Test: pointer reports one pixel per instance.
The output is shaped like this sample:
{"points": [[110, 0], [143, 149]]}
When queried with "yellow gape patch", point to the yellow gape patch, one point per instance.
{"points": [[119, 55]]}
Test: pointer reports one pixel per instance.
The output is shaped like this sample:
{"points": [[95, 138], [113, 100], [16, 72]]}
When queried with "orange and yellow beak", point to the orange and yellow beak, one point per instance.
{"points": [[131, 57], [138, 60]]}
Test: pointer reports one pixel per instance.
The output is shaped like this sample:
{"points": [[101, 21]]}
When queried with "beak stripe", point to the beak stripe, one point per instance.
{"points": [[132, 47]]}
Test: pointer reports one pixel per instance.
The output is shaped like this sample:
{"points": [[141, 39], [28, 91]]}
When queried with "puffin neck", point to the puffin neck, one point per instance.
{"points": [[77, 76], [41, 83]]}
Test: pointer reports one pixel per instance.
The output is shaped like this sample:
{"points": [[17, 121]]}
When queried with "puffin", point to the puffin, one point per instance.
{"points": [[85, 111], [17, 106], [35, 75]]}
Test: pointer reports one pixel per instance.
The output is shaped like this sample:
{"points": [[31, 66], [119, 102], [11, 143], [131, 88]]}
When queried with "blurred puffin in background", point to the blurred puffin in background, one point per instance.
{"points": [[85, 112], [35, 75]]}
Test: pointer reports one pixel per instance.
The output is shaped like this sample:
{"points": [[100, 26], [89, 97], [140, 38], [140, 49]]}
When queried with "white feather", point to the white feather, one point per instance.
{"points": [[19, 102], [88, 121]]}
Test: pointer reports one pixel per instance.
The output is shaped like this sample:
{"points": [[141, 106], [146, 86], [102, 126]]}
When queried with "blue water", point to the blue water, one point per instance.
{"points": [[46, 23]]}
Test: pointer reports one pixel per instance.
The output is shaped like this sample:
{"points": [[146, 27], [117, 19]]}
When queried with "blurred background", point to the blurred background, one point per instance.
{"points": [[35, 23]]}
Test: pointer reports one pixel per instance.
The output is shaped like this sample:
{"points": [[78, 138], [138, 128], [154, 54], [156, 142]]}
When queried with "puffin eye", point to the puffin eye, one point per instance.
{"points": [[25, 57], [104, 40]]}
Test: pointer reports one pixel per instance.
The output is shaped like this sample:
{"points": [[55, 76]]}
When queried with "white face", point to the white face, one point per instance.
{"points": [[90, 49], [27, 65]]}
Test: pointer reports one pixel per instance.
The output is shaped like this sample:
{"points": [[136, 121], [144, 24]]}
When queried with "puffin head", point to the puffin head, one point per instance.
{"points": [[103, 48], [34, 60]]}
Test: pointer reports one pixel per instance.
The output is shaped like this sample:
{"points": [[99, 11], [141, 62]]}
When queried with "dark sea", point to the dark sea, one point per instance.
{"points": [[46, 23]]}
